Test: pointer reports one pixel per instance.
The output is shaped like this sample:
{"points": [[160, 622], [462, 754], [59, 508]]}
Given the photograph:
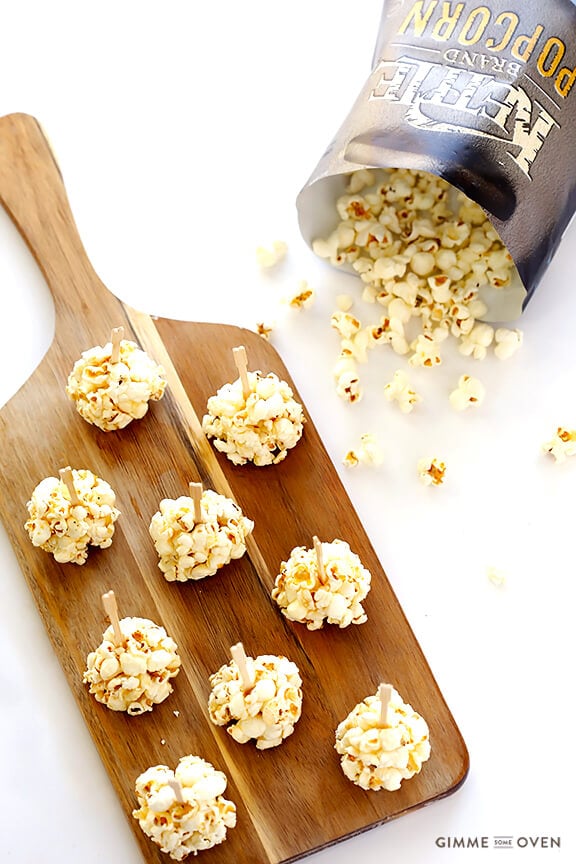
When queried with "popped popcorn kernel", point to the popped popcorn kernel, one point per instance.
{"points": [[562, 444], [187, 821], [264, 330], [496, 577], [344, 302], [469, 392], [431, 471], [507, 342], [303, 298], [399, 390], [271, 255]]}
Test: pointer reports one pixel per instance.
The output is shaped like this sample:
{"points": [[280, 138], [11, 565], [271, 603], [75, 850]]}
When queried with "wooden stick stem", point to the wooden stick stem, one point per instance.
{"points": [[111, 609], [241, 361], [239, 656], [116, 337], [67, 478], [320, 561], [196, 495], [177, 789], [384, 693]]}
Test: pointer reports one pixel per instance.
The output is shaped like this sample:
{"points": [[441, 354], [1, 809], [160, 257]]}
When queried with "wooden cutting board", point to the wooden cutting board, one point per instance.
{"points": [[293, 799]]}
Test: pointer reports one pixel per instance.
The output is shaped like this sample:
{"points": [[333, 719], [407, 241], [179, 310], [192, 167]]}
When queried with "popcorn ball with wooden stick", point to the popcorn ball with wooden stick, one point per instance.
{"points": [[70, 513], [382, 742], [258, 699], [323, 584], [112, 385], [255, 418], [184, 811], [196, 535], [132, 668]]}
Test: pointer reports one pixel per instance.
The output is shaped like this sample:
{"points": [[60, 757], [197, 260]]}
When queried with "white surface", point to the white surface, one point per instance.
{"points": [[184, 132]]}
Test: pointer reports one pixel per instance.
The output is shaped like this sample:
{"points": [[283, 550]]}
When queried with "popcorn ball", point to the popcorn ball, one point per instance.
{"points": [[66, 522], [380, 756], [469, 392], [135, 675], [562, 444], [431, 471], [191, 549], [111, 393], [184, 811], [260, 428], [331, 589], [266, 712]]}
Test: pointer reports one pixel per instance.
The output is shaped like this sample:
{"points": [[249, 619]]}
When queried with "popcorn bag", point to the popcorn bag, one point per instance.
{"points": [[481, 96]]}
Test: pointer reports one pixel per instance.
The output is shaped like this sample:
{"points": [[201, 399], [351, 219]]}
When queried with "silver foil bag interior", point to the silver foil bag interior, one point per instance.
{"points": [[483, 96]]}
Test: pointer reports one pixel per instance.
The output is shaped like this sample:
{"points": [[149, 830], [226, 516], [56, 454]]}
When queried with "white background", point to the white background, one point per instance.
{"points": [[184, 132]]}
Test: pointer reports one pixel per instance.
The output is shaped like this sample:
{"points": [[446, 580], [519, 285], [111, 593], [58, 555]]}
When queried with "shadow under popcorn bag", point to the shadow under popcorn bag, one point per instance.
{"points": [[454, 173]]}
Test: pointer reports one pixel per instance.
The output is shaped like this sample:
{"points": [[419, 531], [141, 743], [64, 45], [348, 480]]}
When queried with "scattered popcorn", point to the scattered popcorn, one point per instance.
{"points": [[348, 385], [344, 302], [260, 429], [303, 298], [345, 324], [376, 756], [470, 391], [304, 595], [562, 444], [64, 529], [368, 452], [507, 342], [268, 711], [264, 330], [399, 390], [196, 822], [269, 256], [134, 676], [176, 713], [110, 395], [193, 550], [431, 471], [475, 343], [496, 577], [163, 741], [426, 350]]}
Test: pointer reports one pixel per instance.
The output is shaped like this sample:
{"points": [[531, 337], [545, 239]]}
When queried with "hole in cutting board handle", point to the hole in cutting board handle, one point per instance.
{"points": [[27, 314]]}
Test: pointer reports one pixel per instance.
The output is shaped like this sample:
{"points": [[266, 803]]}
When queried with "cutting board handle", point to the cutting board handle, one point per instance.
{"points": [[33, 194]]}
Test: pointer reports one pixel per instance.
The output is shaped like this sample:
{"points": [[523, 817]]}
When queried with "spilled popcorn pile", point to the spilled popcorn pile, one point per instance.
{"points": [[424, 252]]}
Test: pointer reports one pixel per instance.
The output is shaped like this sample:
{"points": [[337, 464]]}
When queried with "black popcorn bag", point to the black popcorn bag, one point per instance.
{"points": [[483, 96]]}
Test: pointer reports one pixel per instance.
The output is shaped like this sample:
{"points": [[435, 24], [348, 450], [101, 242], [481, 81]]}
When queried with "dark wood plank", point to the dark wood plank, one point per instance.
{"points": [[284, 809]]}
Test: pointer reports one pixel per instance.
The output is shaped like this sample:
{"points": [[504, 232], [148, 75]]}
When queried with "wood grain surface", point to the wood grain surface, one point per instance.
{"points": [[292, 799]]}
